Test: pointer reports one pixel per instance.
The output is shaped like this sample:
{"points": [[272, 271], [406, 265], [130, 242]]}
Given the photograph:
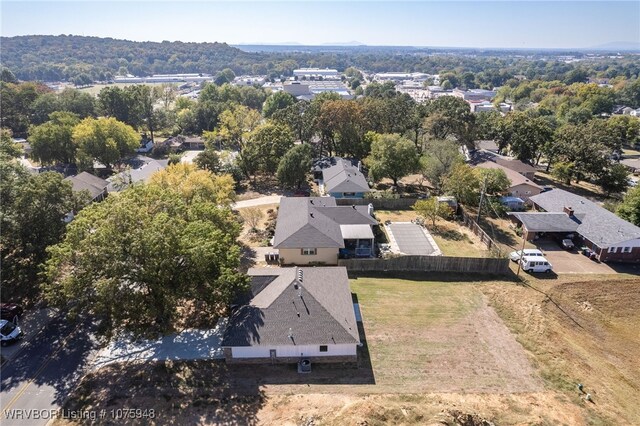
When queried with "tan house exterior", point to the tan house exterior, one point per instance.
{"points": [[296, 256], [521, 186]]}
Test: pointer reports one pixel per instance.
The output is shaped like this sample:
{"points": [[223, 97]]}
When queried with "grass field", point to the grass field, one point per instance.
{"points": [[440, 350]]}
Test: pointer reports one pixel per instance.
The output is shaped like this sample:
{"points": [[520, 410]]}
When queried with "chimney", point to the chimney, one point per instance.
{"points": [[568, 210]]}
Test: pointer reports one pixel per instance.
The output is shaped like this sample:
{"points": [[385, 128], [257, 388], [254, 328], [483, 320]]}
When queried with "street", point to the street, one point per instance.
{"points": [[35, 383]]}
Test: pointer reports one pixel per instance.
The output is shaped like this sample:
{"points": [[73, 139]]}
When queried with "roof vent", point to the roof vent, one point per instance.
{"points": [[354, 206], [300, 275], [568, 210], [311, 214], [311, 201]]}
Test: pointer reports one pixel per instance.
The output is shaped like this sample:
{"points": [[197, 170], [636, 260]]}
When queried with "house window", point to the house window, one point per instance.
{"points": [[613, 249], [309, 251], [348, 194], [626, 250], [324, 348]]}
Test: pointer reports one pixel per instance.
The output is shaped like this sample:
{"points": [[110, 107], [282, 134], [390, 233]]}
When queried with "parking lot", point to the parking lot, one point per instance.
{"points": [[570, 262]]}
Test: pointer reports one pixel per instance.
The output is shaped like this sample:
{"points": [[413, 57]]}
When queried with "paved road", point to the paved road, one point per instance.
{"points": [[260, 201], [36, 381]]}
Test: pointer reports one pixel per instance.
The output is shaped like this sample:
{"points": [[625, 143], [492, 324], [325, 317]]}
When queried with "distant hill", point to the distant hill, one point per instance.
{"points": [[54, 58], [622, 46]]}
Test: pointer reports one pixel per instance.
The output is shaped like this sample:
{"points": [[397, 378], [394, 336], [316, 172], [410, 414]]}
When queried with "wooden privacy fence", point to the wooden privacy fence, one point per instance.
{"points": [[379, 203], [470, 223], [479, 265]]}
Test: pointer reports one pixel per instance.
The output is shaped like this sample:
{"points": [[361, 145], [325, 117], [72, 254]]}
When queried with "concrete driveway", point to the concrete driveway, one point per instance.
{"points": [[186, 345], [571, 262]]}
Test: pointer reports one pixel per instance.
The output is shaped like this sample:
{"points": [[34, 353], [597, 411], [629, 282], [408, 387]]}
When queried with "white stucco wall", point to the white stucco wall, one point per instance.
{"points": [[293, 351]]}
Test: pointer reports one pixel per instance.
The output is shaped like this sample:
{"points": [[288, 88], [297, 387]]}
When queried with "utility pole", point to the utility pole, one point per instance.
{"points": [[524, 240]]}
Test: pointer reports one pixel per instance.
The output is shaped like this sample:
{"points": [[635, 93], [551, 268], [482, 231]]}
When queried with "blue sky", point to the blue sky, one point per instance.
{"points": [[546, 24]]}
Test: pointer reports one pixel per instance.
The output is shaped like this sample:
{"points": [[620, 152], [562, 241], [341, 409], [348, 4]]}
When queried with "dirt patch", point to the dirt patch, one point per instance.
{"points": [[581, 332]]}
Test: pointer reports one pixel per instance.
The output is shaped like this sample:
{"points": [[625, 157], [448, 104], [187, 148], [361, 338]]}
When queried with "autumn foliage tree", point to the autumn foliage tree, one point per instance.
{"points": [[134, 260]]}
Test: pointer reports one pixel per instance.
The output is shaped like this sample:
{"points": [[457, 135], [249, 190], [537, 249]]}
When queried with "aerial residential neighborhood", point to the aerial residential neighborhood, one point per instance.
{"points": [[418, 213]]}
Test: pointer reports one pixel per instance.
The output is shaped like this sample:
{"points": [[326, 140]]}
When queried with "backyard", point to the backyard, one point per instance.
{"points": [[438, 348], [452, 238]]}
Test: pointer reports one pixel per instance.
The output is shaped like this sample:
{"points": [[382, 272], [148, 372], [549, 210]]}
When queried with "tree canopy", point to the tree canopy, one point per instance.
{"points": [[134, 260]]}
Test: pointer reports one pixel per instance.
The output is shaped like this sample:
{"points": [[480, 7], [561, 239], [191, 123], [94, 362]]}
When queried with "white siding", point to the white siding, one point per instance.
{"points": [[293, 351]]}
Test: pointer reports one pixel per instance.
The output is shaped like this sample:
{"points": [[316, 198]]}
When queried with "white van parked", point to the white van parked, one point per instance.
{"points": [[515, 255], [535, 264]]}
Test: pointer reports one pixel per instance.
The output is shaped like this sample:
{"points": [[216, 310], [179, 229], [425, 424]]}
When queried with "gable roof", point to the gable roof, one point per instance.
{"points": [[596, 223], [344, 177], [515, 177], [315, 222], [515, 165], [88, 182], [320, 311]]}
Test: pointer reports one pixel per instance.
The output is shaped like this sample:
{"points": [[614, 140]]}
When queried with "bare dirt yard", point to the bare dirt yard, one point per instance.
{"points": [[439, 350]]}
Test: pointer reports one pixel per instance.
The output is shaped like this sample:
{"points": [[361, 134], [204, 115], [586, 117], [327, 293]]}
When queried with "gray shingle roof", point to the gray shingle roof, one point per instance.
{"points": [[319, 312], [315, 222], [344, 177], [547, 222], [513, 176], [88, 182], [597, 224]]}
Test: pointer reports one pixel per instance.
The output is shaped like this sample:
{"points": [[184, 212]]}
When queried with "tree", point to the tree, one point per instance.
{"points": [[252, 216], [236, 124], [115, 102], [493, 181], [463, 184], [392, 156], [277, 101], [104, 139], [52, 142], [614, 179], [439, 156], [33, 209], [563, 171], [135, 259], [225, 76], [527, 135], [192, 184], [431, 209], [450, 116], [629, 209], [341, 126], [266, 146], [7, 76], [295, 166], [208, 160], [8, 149]]}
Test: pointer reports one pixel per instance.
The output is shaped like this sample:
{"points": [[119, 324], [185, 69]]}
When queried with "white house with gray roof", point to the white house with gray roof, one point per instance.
{"points": [[341, 179], [314, 230], [293, 313], [609, 236]]}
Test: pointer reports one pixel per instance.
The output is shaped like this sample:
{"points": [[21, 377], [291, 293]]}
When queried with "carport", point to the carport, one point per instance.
{"points": [[545, 222]]}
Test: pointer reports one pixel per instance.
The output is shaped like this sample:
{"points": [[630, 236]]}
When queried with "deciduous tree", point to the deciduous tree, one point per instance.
{"points": [[104, 139], [392, 156], [295, 165]]}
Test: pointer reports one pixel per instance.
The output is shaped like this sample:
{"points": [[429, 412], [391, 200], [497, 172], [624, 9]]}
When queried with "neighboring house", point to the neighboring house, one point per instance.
{"points": [[513, 203], [142, 168], [292, 314], [181, 143], [96, 187], [521, 187], [609, 236], [341, 179], [488, 151], [314, 230]]}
